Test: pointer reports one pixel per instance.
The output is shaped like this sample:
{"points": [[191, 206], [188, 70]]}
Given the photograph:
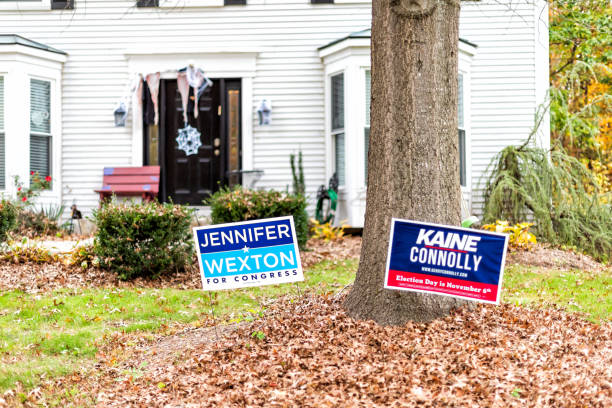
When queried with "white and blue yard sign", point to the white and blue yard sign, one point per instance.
{"points": [[250, 253], [451, 261]]}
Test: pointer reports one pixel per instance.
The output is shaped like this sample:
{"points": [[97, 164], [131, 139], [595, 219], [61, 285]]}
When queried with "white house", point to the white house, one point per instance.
{"points": [[65, 66]]}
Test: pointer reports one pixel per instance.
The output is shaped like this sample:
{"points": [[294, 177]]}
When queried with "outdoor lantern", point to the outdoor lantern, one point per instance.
{"points": [[264, 111], [121, 115]]}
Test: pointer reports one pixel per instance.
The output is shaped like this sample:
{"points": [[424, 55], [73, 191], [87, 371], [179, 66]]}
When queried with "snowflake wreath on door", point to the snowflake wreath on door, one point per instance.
{"points": [[188, 140]]}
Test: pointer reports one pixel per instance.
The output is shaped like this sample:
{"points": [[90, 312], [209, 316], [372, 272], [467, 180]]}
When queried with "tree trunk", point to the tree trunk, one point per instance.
{"points": [[413, 163]]}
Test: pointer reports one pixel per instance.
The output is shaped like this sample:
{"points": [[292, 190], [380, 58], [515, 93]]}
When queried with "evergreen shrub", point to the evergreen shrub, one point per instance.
{"points": [[142, 239], [240, 204], [556, 192], [8, 218]]}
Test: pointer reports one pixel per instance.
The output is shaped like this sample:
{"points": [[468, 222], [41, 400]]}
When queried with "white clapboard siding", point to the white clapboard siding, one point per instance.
{"points": [[289, 72], [285, 34], [504, 78]]}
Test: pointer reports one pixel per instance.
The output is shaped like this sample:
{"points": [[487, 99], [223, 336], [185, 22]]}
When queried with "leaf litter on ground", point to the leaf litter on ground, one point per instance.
{"points": [[37, 278], [311, 354]]}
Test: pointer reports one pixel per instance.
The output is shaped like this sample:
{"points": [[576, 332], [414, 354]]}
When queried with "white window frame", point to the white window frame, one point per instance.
{"points": [[363, 76], [26, 5], [190, 3], [465, 61], [50, 135], [334, 132], [3, 129], [20, 64]]}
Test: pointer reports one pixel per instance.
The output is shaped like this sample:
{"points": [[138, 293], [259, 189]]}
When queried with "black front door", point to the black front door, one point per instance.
{"points": [[189, 179]]}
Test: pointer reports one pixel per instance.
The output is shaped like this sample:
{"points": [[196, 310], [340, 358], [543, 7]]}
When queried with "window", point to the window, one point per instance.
{"points": [[2, 162], [40, 127], [461, 124], [62, 5], [183, 3], [337, 125], [366, 130]]}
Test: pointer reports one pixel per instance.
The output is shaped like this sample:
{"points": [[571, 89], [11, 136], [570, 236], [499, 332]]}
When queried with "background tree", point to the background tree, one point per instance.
{"points": [[581, 80], [413, 163]]}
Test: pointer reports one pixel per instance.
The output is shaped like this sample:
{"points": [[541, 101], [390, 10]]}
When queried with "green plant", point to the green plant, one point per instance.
{"points": [[142, 239], [84, 257], [32, 224], [240, 204], [297, 172], [26, 195], [8, 219], [555, 191], [259, 335], [326, 231], [25, 252], [520, 237]]}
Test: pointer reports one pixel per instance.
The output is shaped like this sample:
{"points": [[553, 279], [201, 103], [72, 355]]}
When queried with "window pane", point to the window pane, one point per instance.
{"points": [[153, 145], [2, 163], [339, 155], [337, 102], [462, 158], [460, 102], [368, 95], [39, 154], [233, 96], [366, 140], [1, 104], [40, 106]]}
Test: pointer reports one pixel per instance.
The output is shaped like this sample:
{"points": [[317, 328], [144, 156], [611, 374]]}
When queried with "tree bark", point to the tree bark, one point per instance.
{"points": [[413, 162]]}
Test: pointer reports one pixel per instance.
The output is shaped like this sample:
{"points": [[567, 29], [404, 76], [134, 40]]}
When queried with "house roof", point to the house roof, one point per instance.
{"points": [[367, 33], [14, 39]]}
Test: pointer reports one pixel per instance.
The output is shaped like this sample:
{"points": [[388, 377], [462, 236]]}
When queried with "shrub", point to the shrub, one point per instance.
{"points": [[84, 257], [26, 252], [520, 237], [556, 192], [241, 204], [142, 239], [31, 222], [297, 172], [8, 219], [326, 231]]}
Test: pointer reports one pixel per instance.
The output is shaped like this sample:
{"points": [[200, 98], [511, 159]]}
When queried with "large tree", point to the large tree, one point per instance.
{"points": [[413, 163]]}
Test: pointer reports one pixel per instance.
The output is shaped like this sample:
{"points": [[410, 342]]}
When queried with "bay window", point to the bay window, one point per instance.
{"points": [[337, 126], [461, 125], [40, 127], [2, 160]]}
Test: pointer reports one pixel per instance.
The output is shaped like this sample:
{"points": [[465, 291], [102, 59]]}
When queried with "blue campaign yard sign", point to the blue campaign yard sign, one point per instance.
{"points": [[249, 253], [451, 261]]}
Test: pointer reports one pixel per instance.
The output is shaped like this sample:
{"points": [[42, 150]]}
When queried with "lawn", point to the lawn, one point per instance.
{"points": [[586, 293], [53, 334]]}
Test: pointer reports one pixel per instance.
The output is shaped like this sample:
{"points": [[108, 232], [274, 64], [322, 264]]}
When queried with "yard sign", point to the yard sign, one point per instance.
{"points": [[450, 261], [250, 253]]}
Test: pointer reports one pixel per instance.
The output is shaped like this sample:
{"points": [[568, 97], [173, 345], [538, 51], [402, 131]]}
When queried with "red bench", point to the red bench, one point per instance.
{"points": [[130, 181]]}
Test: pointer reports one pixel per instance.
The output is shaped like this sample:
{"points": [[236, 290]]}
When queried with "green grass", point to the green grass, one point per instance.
{"points": [[586, 293], [56, 333]]}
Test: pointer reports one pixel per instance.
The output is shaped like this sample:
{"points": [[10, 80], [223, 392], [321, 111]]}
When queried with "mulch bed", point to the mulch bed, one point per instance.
{"points": [[545, 256], [34, 278], [313, 355]]}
